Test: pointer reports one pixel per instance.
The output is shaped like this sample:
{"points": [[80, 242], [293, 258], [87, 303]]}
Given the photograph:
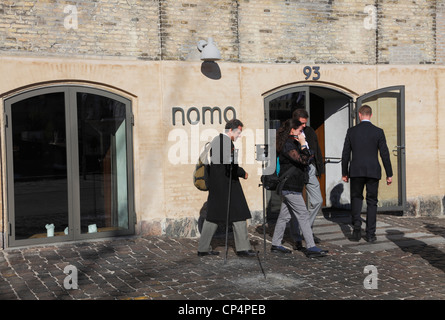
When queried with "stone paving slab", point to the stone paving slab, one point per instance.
{"points": [[409, 260]]}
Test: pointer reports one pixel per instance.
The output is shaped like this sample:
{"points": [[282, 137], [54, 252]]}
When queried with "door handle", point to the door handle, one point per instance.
{"points": [[395, 151], [331, 160]]}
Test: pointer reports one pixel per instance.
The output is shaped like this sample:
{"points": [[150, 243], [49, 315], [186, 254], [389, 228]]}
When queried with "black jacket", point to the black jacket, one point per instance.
{"points": [[362, 144], [312, 140], [292, 155]]}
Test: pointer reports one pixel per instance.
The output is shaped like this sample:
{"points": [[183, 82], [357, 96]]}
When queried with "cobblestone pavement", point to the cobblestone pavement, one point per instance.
{"points": [[409, 261]]}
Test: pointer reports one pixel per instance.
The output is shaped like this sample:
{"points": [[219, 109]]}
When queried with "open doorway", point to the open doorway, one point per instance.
{"points": [[330, 116], [331, 113]]}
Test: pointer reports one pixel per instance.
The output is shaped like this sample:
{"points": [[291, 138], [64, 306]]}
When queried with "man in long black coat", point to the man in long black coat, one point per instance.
{"points": [[224, 166]]}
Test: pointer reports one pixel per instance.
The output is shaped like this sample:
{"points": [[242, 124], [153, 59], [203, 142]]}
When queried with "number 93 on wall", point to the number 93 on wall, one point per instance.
{"points": [[311, 73]]}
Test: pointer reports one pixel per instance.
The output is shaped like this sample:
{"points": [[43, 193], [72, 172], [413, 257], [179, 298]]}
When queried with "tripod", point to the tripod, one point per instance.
{"points": [[228, 213], [262, 155]]}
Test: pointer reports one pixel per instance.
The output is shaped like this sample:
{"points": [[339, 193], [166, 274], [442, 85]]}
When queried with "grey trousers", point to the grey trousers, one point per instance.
{"points": [[315, 201], [293, 204], [240, 235]]}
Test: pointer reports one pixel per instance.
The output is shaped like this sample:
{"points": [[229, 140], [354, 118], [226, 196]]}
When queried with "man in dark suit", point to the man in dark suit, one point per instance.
{"points": [[360, 163]]}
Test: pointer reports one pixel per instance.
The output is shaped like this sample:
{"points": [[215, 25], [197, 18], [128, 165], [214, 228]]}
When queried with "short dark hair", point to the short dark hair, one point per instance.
{"points": [[233, 124], [300, 113], [365, 110]]}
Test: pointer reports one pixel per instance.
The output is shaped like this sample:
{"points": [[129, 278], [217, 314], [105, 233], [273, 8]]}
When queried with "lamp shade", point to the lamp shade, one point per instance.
{"points": [[209, 52]]}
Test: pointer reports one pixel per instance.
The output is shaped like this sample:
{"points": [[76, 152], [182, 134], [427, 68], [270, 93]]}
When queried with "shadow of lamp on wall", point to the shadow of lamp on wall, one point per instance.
{"points": [[209, 54]]}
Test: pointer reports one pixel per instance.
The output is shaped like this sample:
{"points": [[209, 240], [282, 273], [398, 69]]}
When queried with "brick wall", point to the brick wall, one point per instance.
{"points": [[295, 31], [440, 33], [111, 28], [263, 31], [406, 32]]}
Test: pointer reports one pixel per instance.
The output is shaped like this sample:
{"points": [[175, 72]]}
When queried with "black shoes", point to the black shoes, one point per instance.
{"points": [[356, 235], [246, 253], [315, 252], [209, 253], [280, 249]]}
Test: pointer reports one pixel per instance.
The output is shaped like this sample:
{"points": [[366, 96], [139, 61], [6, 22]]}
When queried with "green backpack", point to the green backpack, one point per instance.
{"points": [[202, 168]]}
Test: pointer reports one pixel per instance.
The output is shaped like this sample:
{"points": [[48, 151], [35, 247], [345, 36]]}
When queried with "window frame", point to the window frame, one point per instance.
{"points": [[72, 145]]}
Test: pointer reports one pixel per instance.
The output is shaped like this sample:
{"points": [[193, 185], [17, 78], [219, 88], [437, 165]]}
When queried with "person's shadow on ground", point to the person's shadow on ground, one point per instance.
{"points": [[429, 253]]}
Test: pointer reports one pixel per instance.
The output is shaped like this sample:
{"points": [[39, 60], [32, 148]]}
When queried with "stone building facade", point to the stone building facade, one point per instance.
{"points": [[146, 52]]}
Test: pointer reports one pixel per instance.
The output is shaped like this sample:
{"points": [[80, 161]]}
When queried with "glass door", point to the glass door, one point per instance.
{"points": [[69, 165], [38, 176], [278, 108], [103, 128], [388, 108]]}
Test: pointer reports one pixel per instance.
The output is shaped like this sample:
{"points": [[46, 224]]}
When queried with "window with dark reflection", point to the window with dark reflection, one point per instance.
{"points": [[40, 166], [102, 163]]}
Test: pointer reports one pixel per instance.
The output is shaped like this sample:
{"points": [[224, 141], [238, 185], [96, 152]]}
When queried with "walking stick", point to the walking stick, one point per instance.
{"points": [[264, 217], [228, 211]]}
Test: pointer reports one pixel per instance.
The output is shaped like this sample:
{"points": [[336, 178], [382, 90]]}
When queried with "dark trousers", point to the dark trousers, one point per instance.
{"points": [[372, 188]]}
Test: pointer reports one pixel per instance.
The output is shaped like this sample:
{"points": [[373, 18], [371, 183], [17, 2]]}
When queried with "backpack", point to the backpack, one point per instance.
{"points": [[202, 168]]}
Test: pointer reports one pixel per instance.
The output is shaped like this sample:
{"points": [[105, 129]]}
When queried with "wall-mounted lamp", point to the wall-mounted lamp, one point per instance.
{"points": [[209, 52]]}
